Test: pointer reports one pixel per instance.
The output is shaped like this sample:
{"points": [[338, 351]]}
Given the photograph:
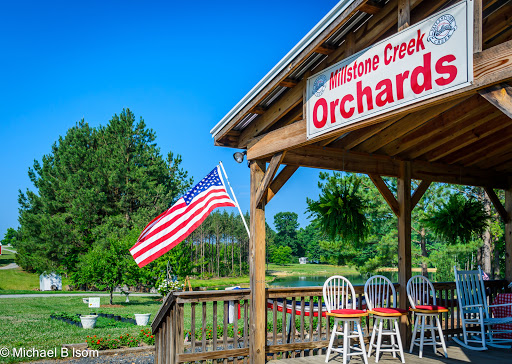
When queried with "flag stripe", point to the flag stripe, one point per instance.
{"points": [[175, 219], [172, 226], [168, 244]]}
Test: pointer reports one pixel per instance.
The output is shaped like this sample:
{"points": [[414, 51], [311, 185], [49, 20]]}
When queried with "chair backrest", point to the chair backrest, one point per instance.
{"points": [[339, 294], [420, 291], [379, 293], [470, 290]]}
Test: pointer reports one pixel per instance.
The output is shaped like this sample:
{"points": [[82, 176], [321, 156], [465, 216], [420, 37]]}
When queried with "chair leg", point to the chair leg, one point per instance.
{"points": [[482, 330], [331, 341], [441, 336], [346, 343], [361, 342], [414, 333], [422, 335], [399, 340], [392, 342], [433, 333], [372, 340], [379, 341]]}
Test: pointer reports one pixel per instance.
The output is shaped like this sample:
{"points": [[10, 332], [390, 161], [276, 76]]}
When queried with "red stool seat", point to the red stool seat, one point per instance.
{"points": [[348, 312], [429, 309], [382, 311]]}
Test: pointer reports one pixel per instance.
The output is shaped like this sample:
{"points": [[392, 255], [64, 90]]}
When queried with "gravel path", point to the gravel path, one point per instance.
{"points": [[141, 358], [10, 266]]}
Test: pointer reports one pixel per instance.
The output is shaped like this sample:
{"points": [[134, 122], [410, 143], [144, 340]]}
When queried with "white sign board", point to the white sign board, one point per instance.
{"points": [[94, 302], [425, 60]]}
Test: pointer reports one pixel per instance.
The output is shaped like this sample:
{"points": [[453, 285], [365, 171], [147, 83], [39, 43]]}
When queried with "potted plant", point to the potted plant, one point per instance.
{"points": [[142, 319], [88, 321]]}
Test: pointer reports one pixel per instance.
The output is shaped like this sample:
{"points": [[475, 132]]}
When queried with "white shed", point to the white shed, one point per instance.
{"points": [[50, 282], [303, 260]]}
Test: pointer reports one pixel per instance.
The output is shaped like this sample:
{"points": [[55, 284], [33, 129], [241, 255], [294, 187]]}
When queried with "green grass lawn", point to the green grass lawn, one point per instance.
{"points": [[25, 322], [309, 270], [6, 257], [12, 280]]}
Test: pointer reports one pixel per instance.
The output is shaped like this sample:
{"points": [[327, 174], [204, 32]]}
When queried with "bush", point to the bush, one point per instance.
{"points": [[147, 337]]}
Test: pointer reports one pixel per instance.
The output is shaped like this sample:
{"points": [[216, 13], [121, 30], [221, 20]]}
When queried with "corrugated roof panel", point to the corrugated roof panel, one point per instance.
{"points": [[278, 91], [245, 121]]}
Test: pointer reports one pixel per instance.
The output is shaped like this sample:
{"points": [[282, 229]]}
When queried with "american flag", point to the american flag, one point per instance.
{"points": [[174, 225]]}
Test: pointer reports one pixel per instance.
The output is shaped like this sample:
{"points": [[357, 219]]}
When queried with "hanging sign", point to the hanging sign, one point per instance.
{"points": [[425, 60]]}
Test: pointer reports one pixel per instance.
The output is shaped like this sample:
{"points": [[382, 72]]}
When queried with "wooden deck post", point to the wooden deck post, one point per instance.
{"points": [[508, 232], [404, 244], [257, 326]]}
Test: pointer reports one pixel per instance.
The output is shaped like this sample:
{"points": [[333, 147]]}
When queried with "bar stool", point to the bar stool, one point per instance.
{"points": [[380, 297], [340, 302], [422, 297]]}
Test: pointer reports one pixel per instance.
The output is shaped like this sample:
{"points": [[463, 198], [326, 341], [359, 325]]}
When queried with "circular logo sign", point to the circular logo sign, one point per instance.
{"points": [[319, 85], [442, 29]]}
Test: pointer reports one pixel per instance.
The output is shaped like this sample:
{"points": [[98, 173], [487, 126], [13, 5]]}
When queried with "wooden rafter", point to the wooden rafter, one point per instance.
{"points": [[500, 96], [419, 192], [497, 204], [371, 7], [433, 126], [280, 180], [357, 162], [444, 136], [278, 109], [485, 129], [273, 166], [386, 193]]}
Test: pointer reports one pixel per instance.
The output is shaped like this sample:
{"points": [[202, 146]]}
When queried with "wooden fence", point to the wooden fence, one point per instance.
{"points": [[195, 327]]}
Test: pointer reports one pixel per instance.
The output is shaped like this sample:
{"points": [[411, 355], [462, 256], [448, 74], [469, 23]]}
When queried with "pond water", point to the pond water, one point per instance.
{"points": [[355, 279]]}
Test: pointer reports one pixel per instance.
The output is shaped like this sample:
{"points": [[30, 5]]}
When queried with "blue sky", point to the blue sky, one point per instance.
{"points": [[180, 65]]}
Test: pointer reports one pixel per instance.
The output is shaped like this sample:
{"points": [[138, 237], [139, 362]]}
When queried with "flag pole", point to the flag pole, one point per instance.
{"points": [[234, 198]]}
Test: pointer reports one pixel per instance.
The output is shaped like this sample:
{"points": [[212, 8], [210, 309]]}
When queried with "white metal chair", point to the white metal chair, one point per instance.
{"points": [[340, 302], [422, 297], [380, 297], [475, 310]]}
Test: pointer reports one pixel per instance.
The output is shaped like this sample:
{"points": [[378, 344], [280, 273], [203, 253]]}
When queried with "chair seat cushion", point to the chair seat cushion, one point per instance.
{"points": [[429, 308], [348, 312], [382, 311]]}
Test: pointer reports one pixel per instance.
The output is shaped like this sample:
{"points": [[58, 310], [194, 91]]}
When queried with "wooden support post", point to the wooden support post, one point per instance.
{"points": [[508, 232], [477, 26], [385, 192], [404, 244], [257, 326], [404, 14]]}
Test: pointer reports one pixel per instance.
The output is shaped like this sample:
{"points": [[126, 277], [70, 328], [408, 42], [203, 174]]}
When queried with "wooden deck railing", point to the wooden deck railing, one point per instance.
{"points": [[193, 326]]}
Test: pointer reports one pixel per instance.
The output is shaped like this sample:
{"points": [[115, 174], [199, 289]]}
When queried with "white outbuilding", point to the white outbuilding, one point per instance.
{"points": [[50, 282]]}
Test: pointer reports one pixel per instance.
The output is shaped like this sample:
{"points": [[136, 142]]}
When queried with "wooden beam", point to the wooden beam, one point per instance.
{"points": [[280, 180], [508, 233], [404, 14], [404, 244], [260, 110], [371, 7], [288, 101], [357, 162], [401, 127], [386, 193], [288, 82], [490, 66], [481, 131], [273, 166], [356, 137], [461, 108], [497, 204], [325, 49], [419, 192], [500, 96], [446, 135], [477, 26], [257, 326]]}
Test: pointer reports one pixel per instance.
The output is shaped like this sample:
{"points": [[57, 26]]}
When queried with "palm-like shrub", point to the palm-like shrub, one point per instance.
{"points": [[459, 219]]}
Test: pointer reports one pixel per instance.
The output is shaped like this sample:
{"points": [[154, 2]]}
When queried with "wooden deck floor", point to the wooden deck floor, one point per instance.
{"points": [[456, 355]]}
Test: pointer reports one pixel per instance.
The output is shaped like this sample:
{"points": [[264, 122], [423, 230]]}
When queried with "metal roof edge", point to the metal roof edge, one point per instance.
{"points": [[299, 47]]}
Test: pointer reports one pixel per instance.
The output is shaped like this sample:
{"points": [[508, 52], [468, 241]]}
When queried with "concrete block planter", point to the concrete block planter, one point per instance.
{"points": [[88, 321], [142, 319]]}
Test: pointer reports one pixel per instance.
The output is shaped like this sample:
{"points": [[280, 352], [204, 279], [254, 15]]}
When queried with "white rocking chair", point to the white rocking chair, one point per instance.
{"points": [[474, 310]]}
